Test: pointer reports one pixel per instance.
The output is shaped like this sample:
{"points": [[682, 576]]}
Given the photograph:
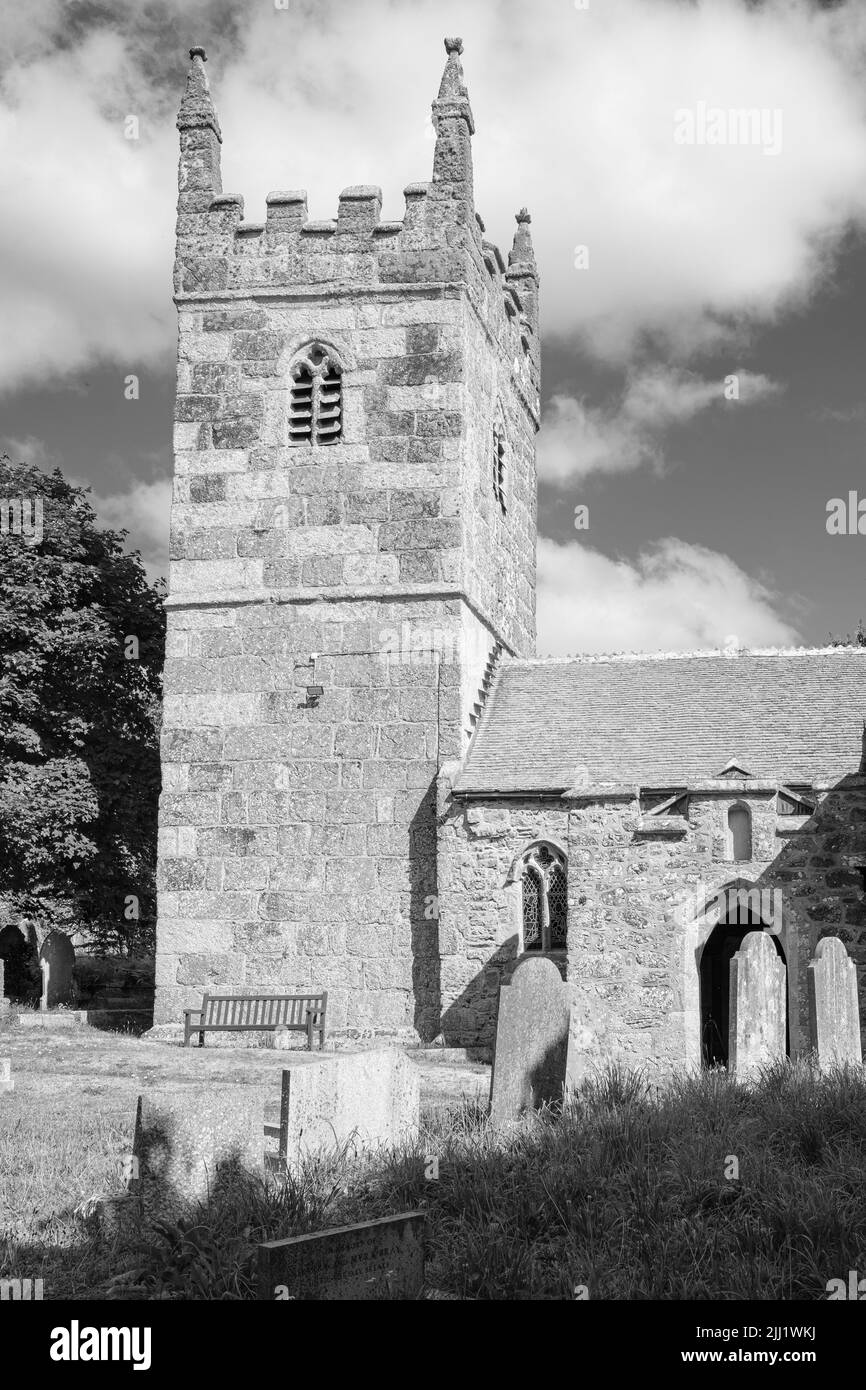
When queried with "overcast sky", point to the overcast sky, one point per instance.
{"points": [[670, 262]]}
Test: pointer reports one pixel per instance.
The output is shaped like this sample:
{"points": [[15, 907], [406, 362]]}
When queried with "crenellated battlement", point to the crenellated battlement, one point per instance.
{"points": [[439, 241]]}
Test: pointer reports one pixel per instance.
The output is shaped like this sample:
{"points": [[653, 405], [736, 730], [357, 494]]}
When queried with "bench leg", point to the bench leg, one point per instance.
{"points": [[201, 1039], [309, 1032]]}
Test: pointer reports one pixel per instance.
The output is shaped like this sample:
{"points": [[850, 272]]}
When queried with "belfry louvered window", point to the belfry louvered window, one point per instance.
{"points": [[544, 887], [499, 465], [316, 408]]}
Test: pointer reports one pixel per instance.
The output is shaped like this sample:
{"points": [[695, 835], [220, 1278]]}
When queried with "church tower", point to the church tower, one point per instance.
{"points": [[352, 550]]}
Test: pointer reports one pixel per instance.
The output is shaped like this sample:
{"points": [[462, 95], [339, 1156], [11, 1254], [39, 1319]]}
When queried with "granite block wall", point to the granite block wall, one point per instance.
{"points": [[642, 904], [297, 831]]}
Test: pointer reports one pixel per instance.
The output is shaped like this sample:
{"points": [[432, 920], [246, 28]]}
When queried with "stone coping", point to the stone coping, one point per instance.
{"points": [[613, 791]]}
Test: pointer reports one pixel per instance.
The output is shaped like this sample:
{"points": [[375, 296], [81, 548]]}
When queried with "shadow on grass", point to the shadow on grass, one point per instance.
{"points": [[708, 1189]]}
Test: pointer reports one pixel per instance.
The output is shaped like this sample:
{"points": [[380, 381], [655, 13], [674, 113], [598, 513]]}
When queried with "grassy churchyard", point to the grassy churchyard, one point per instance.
{"points": [[710, 1189]]}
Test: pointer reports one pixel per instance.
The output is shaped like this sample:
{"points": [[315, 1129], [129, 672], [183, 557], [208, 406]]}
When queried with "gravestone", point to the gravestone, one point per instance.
{"points": [[45, 968], [530, 1060], [374, 1260], [188, 1140], [4, 1002], [58, 954], [757, 1005], [834, 1013], [6, 1082], [363, 1098], [21, 967]]}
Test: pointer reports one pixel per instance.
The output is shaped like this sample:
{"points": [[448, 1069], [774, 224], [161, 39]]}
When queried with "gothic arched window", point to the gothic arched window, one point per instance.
{"points": [[739, 834], [543, 881], [316, 408]]}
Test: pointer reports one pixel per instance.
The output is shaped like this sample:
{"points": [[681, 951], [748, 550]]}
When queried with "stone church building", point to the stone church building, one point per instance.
{"points": [[370, 783]]}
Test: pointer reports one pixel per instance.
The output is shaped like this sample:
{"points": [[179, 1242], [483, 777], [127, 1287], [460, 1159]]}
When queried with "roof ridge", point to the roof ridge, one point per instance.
{"points": [[729, 654]]}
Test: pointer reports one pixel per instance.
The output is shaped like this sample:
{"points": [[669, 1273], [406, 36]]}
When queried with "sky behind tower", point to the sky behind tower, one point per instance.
{"points": [[703, 276]]}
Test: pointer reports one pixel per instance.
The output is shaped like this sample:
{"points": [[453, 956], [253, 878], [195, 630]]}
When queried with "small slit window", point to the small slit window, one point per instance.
{"points": [[544, 888], [739, 834], [499, 466], [316, 407]]}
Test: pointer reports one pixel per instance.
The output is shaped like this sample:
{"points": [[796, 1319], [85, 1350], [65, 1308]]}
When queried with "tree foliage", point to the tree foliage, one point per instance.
{"points": [[82, 637], [857, 640]]}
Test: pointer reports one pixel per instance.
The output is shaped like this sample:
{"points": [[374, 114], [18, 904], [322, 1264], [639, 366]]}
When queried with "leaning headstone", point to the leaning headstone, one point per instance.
{"points": [[189, 1141], [58, 954], [834, 1013], [531, 1053], [375, 1260], [757, 1005], [6, 1082], [365, 1099]]}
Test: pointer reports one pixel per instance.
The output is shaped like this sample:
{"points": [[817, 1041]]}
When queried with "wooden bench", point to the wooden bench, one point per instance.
{"points": [[253, 1013]]}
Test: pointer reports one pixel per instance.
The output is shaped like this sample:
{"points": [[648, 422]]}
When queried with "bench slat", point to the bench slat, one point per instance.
{"points": [[237, 1012]]}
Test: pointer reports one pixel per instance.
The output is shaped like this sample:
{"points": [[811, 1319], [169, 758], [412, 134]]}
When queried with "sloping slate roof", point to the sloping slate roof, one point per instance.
{"points": [[793, 716]]}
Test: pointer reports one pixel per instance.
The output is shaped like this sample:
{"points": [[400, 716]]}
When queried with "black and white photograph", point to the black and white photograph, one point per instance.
{"points": [[432, 672]]}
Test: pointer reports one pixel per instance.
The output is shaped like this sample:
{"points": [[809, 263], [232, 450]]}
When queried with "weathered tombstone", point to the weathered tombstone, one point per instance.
{"points": [[6, 1082], [361, 1098], [834, 1013], [758, 1009], [58, 954], [531, 1052], [4, 1002], [189, 1140], [374, 1260], [45, 968], [21, 965]]}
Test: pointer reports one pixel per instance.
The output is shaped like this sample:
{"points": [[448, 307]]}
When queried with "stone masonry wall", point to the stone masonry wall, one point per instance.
{"points": [[297, 837], [637, 901], [480, 911]]}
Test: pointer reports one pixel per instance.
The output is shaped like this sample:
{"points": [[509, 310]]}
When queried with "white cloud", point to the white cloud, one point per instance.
{"points": [[675, 596], [144, 512], [577, 439], [26, 448], [86, 232], [576, 117], [143, 509]]}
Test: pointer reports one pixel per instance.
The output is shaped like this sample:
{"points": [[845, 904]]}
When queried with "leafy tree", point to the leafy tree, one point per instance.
{"points": [[858, 639], [82, 637]]}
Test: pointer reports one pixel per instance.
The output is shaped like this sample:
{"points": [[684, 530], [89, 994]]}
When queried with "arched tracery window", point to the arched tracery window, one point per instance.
{"points": [[316, 409], [544, 884]]}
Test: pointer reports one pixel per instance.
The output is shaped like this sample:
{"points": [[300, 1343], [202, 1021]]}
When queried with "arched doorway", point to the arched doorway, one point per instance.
{"points": [[715, 973]]}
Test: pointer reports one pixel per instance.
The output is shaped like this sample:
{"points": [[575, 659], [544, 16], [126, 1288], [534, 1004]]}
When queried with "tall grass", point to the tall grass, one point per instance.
{"points": [[628, 1192]]}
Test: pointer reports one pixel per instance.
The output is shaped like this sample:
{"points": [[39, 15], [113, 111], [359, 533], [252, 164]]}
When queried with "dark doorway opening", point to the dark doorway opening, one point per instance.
{"points": [[723, 944]]}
